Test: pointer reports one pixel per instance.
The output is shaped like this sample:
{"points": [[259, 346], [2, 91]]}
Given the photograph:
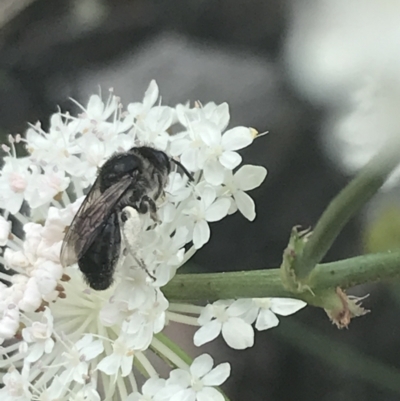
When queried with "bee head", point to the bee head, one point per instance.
{"points": [[159, 159], [117, 167]]}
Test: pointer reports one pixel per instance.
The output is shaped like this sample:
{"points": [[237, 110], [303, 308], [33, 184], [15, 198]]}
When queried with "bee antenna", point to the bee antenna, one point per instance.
{"points": [[179, 164]]}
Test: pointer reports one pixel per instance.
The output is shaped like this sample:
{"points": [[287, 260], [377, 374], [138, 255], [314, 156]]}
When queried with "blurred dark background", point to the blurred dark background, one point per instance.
{"points": [[234, 51]]}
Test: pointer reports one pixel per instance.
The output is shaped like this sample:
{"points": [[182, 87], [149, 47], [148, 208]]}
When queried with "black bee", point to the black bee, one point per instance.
{"points": [[135, 178]]}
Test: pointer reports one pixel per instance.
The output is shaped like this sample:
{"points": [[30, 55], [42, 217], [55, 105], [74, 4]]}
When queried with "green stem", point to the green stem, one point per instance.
{"points": [[175, 348], [267, 283], [343, 207]]}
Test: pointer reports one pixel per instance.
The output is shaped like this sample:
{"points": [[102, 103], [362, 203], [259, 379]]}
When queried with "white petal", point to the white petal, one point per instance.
{"points": [[237, 333], [237, 138], [233, 207], [206, 315], [126, 366], [218, 375], [209, 133], [151, 94], [221, 116], [249, 177], [35, 353], [218, 210], [201, 234], [240, 307], [201, 365], [48, 346], [179, 377], [245, 205], [286, 306], [207, 333], [208, 195], [84, 341], [95, 107], [179, 145], [190, 160], [79, 372], [161, 142], [230, 159], [209, 394], [184, 395], [213, 172], [13, 204], [266, 320], [251, 315], [110, 364], [92, 350], [166, 393], [134, 397]]}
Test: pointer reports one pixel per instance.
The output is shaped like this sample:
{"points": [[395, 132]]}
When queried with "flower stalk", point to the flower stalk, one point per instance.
{"points": [[344, 206], [345, 274]]}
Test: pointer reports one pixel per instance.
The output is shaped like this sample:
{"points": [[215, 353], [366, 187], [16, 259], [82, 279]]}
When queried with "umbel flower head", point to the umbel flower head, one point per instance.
{"points": [[62, 340]]}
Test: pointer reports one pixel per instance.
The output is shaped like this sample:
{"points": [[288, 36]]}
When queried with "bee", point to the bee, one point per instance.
{"points": [[135, 178]]}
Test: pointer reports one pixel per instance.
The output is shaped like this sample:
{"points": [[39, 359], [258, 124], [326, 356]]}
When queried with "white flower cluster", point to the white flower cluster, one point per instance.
{"points": [[62, 340]]}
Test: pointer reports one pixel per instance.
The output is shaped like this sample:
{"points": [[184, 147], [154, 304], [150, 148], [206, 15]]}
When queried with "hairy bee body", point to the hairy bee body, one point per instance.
{"points": [[135, 178]]}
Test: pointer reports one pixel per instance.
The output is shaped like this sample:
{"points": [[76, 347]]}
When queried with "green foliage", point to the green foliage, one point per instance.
{"points": [[383, 233]]}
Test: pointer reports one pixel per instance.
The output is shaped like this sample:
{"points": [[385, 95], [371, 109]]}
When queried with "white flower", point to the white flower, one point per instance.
{"points": [[246, 178], [204, 147], [218, 154], [98, 111], [177, 189], [220, 317], [204, 210], [55, 147], [9, 322], [40, 335], [188, 144], [207, 149], [153, 127], [124, 348], [78, 357], [217, 114], [146, 321], [14, 180], [16, 386], [199, 381], [139, 109], [44, 186]]}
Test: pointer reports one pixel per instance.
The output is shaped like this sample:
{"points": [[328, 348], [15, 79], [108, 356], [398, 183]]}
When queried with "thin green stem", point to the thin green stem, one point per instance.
{"points": [[267, 283], [175, 348], [343, 207]]}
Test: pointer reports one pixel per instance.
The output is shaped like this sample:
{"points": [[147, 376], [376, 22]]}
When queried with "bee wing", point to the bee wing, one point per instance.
{"points": [[90, 219]]}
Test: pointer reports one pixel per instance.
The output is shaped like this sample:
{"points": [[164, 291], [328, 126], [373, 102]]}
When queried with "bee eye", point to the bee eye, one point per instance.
{"points": [[161, 157]]}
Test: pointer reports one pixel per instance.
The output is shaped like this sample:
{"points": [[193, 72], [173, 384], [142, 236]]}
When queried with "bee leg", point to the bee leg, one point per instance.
{"points": [[147, 204], [142, 265]]}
